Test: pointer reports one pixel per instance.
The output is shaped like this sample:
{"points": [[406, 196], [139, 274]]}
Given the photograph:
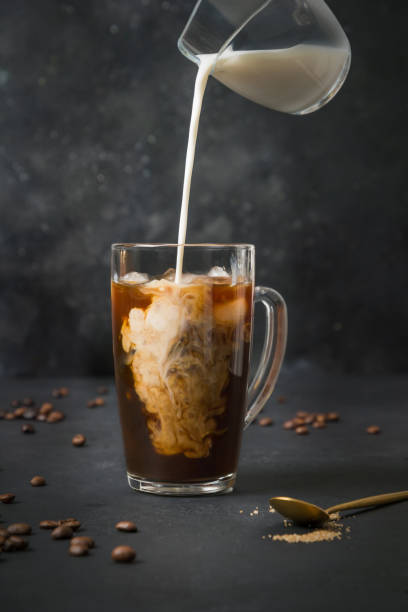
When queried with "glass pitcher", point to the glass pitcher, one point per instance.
{"points": [[288, 55]]}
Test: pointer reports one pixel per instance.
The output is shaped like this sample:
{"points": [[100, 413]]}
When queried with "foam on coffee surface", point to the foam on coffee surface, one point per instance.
{"points": [[179, 350]]}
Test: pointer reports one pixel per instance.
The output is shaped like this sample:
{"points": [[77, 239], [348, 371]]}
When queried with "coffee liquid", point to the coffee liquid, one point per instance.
{"points": [[181, 354]]}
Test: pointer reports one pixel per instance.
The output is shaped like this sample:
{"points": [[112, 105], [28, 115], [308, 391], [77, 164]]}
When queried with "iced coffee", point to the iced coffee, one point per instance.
{"points": [[181, 358]]}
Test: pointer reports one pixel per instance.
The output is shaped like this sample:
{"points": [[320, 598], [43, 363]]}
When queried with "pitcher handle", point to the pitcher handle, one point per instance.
{"points": [[273, 351]]}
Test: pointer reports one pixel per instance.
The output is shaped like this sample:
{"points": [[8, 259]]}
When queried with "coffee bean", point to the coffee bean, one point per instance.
{"points": [[4, 533], [97, 401], [46, 408], [332, 417], [55, 416], [301, 414], [373, 429], [66, 520], [83, 540], [102, 390], [123, 554], [41, 417], [62, 532], [28, 401], [38, 481], [126, 526], [48, 524], [321, 418], [27, 428], [289, 425], [297, 421], [15, 403], [7, 498], [14, 543], [78, 550], [319, 424], [265, 422], [64, 391], [311, 417], [56, 393], [73, 524], [9, 416], [29, 413], [18, 413], [301, 430], [78, 440], [19, 529]]}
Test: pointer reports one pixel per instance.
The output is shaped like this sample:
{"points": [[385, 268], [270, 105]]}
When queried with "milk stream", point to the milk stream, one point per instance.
{"points": [[293, 80], [203, 73]]}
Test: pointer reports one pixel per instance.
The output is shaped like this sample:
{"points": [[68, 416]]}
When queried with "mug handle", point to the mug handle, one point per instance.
{"points": [[273, 351]]}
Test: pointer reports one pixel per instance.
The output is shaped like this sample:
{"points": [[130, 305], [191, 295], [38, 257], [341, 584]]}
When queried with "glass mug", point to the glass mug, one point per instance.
{"points": [[181, 353]]}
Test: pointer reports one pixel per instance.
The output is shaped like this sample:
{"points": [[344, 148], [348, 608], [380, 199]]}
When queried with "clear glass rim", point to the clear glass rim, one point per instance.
{"points": [[206, 245]]}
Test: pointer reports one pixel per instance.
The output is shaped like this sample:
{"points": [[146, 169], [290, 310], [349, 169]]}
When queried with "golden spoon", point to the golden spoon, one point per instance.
{"points": [[303, 513]]}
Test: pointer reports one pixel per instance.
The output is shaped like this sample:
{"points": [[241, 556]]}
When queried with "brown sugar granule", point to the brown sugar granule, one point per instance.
{"points": [[373, 429], [317, 535]]}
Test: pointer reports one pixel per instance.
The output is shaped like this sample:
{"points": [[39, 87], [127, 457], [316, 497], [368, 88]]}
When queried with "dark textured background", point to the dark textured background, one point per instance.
{"points": [[94, 111]]}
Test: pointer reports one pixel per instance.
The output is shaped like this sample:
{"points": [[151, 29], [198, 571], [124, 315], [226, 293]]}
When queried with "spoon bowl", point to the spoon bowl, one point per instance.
{"points": [[305, 513]]}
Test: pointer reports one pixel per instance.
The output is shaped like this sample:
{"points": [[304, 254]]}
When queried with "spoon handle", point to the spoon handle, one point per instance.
{"points": [[375, 500]]}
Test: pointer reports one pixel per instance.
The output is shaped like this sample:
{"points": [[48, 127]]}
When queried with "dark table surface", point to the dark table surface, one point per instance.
{"points": [[204, 553]]}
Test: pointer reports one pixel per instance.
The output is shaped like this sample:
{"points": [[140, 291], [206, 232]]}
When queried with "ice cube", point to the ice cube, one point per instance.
{"points": [[136, 278], [218, 272]]}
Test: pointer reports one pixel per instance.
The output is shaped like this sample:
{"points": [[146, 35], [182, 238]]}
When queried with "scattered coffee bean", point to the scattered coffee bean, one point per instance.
{"points": [[15, 403], [41, 417], [265, 422], [373, 429], [321, 418], [62, 532], [56, 393], [83, 540], [4, 533], [281, 399], [18, 413], [301, 414], [73, 523], [319, 425], [48, 524], [67, 520], [123, 554], [19, 529], [38, 481], [97, 401], [78, 440], [332, 417], [301, 430], [289, 425], [126, 526], [7, 498], [29, 413], [64, 391], [46, 408], [55, 417], [78, 550], [14, 543], [310, 418], [27, 428], [28, 401], [9, 416], [102, 390], [297, 421]]}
